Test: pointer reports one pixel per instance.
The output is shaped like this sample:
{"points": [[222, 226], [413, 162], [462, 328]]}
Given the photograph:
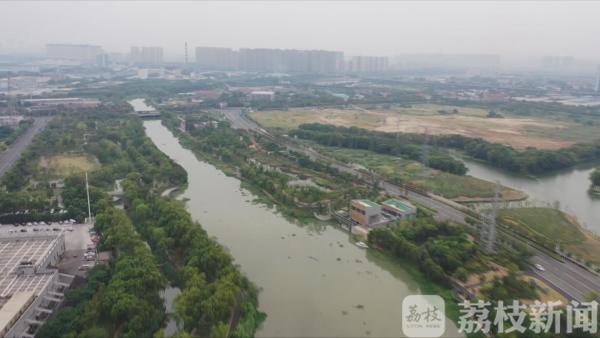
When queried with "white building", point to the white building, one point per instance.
{"points": [[262, 95], [30, 285]]}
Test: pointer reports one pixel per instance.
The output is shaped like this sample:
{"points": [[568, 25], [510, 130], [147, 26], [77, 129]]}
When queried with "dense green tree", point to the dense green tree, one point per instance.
{"points": [[595, 177]]}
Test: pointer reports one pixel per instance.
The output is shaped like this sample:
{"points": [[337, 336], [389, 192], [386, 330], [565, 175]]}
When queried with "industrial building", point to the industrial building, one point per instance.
{"points": [[370, 214], [65, 102], [30, 285], [399, 210], [365, 212], [262, 95]]}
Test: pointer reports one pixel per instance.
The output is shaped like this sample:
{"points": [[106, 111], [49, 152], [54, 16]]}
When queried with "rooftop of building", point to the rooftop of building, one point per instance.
{"points": [[262, 92], [367, 203], [402, 206], [10, 310], [59, 99], [19, 251]]}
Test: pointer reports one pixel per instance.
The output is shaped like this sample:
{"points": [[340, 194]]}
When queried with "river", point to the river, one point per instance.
{"points": [[568, 187], [314, 282], [139, 105]]}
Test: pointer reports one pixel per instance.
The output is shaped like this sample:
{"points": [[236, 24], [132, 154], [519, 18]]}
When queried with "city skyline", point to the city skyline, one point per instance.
{"points": [[380, 28]]}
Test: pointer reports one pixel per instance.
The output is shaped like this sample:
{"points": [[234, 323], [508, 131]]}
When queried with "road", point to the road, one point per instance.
{"points": [[14, 151], [571, 280], [238, 121]]}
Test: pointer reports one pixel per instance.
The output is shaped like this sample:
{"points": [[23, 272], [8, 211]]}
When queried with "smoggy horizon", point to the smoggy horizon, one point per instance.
{"points": [[513, 30]]}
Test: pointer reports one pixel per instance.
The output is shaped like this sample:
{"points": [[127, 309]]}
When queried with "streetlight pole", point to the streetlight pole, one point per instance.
{"points": [[87, 189]]}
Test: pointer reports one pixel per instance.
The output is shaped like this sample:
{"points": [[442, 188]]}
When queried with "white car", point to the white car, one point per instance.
{"points": [[539, 267], [85, 267]]}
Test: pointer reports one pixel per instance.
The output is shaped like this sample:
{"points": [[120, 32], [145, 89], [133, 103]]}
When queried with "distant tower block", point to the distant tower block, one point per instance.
{"points": [[597, 89], [186, 54]]}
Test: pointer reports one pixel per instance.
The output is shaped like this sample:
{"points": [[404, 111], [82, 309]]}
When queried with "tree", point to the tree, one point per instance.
{"points": [[595, 177]]}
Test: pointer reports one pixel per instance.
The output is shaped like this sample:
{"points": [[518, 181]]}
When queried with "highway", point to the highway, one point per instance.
{"points": [[14, 151], [571, 280]]}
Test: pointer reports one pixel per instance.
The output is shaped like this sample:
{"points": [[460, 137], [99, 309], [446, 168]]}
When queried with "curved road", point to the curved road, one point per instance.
{"points": [[14, 151]]}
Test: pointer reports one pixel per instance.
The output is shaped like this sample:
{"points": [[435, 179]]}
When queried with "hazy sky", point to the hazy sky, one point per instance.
{"points": [[370, 28]]}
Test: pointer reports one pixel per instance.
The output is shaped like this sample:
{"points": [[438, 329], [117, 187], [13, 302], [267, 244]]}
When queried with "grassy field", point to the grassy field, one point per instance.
{"points": [[555, 226], [547, 222], [444, 184], [518, 132], [65, 164]]}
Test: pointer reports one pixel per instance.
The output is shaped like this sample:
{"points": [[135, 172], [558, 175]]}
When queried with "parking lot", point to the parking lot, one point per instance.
{"points": [[80, 246]]}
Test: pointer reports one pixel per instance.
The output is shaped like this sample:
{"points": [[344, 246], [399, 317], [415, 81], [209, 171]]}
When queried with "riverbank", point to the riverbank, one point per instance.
{"points": [[314, 282], [567, 190], [556, 229]]}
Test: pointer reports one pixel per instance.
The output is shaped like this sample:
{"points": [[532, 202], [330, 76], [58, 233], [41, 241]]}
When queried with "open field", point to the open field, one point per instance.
{"points": [[65, 165], [438, 119], [556, 226], [459, 188]]}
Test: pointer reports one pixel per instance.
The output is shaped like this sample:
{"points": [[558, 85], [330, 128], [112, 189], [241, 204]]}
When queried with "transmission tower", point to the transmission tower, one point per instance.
{"points": [[425, 148], [8, 100], [488, 228]]}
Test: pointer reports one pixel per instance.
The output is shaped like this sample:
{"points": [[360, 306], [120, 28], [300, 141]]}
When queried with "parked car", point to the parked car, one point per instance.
{"points": [[85, 267]]}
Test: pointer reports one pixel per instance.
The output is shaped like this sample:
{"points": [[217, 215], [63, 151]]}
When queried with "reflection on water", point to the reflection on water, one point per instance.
{"points": [[569, 188], [313, 282]]}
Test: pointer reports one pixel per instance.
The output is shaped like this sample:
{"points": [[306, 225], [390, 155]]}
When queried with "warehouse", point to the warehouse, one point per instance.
{"points": [[30, 285]]}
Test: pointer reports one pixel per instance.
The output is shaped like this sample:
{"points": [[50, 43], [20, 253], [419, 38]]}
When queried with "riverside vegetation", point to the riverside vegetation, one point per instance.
{"points": [[595, 178], [437, 253], [154, 241], [529, 161]]}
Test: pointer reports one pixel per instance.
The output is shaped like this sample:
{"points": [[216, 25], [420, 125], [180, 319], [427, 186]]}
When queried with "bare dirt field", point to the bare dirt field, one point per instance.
{"points": [[433, 119]]}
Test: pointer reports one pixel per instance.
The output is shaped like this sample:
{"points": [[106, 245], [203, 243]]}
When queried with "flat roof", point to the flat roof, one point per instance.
{"points": [[13, 307], [19, 248], [399, 205], [58, 99], [262, 92], [367, 203]]}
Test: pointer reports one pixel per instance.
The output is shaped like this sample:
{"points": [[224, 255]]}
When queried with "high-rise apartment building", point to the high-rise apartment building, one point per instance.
{"points": [[270, 60], [146, 55], [367, 64], [217, 58], [597, 88]]}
